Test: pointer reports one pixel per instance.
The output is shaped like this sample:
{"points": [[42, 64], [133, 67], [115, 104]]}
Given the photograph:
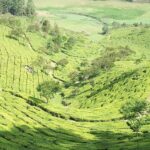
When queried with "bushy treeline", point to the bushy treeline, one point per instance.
{"points": [[141, 1], [57, 40], [103, 63], [17, 7]]}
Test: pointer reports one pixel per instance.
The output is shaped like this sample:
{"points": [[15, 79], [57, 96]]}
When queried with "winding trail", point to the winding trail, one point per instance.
{"points": [[89, 16]]}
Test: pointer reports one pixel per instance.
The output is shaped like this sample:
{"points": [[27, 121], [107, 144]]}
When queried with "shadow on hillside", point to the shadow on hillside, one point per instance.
{"points": [[25, 138], [107, 86], [111, 84], [36, 100]]}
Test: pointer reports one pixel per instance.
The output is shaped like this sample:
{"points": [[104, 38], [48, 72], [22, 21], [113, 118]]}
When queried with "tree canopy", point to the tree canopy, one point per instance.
{"points": [[134, 112], [47, 89], [17, 7]]}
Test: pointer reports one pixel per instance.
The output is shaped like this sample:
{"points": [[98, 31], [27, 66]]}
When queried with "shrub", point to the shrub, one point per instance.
{"points": [[52, 46], [46, 26], [55, 42], [88, 73], [62, 62], [105, 29], [124, 24], [13, 22], [39, 62], [55, 31], [16, 33], [35, 27], [4, 19], [135, 24], [70, 43], [84, 63], [75, 92], [115, 25], [74, 76], [103, 63]]}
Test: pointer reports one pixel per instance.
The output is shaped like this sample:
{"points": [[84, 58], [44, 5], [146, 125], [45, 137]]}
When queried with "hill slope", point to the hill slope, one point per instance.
{"points": [[86, 115]]}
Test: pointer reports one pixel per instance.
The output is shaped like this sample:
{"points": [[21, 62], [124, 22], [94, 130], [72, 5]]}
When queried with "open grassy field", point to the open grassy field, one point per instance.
{"points": [[88, 116], [89, 16]]}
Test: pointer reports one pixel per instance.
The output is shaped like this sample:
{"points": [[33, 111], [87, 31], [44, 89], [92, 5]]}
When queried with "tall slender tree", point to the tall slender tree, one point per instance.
{"points": [[30, 8]]}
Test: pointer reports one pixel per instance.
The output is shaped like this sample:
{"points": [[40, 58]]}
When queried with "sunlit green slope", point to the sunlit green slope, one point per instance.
{"points": [[92, 119]]}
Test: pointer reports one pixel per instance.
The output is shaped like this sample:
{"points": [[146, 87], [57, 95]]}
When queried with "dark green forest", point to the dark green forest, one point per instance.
{"points": [[17, 7]]}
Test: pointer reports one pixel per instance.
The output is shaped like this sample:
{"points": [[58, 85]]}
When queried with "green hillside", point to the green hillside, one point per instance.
{"points": [[98, 54]]}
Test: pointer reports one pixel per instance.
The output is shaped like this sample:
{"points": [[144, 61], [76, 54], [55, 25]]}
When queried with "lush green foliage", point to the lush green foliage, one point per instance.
{"points": [[134, 111], [17, 7], [48, 89], [87, 80]]}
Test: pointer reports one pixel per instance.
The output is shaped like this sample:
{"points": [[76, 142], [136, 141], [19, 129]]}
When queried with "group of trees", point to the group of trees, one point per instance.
{"points": [[103, 63], [109, 56], [55, 40], [17, 7], [58, 41]]}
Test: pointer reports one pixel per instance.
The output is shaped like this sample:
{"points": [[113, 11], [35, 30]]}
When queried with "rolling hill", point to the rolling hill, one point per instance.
{"points": [[86, 114]]}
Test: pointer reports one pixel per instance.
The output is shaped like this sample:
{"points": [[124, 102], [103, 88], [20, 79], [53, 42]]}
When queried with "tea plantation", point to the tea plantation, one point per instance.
{"points": [[99, 74]]}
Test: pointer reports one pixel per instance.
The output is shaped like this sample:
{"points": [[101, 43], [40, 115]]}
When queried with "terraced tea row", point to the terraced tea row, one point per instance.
{"points": [[39, 130]]}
